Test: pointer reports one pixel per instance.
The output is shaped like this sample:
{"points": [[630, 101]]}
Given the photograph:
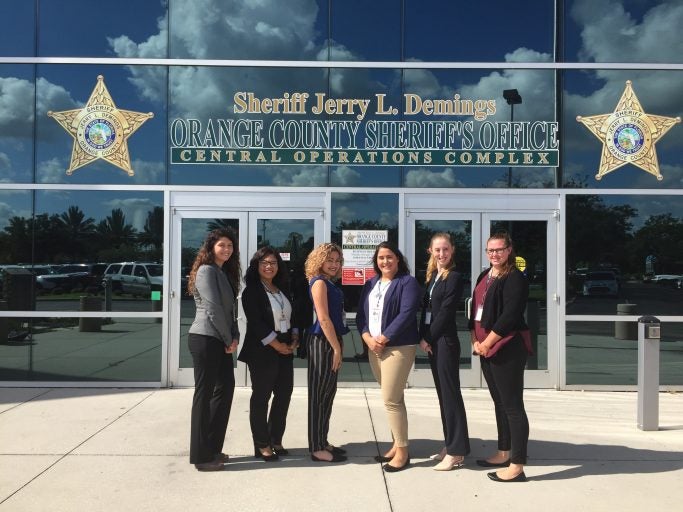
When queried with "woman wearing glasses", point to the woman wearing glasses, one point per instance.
{"points": [[501, 337], [387, 322], [269, 344], [440, 341], [323, 266]]}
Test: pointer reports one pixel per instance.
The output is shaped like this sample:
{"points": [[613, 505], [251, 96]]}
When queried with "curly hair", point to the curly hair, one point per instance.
{"points": [[252, 276], [510, 263], [432, 265], [315, 260], [402, 264], [205, 257]]}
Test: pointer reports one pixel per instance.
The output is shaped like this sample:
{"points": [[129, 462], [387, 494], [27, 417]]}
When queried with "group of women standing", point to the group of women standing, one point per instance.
{"points": [[387, 320]]}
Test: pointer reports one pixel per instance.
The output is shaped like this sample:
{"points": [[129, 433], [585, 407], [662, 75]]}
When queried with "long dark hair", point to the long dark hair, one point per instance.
{"points": [[252, 276], [402, 264], [510, 263], [205, 257]]}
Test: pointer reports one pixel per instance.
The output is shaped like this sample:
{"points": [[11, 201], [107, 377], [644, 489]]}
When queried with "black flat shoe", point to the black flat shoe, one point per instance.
{"points": [[382, 458], [335, 458], [214, 465], [337, 450], [281, 450], [486, 464], [258, 454], [393, 469], [519, 478]]}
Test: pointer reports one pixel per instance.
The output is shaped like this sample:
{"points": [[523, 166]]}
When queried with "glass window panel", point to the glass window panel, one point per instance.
{"points": [[492, 31], [623, 31], [356, 33], [86, 349], [15, 233], [593, 93], [78, 234], [193, 234], [201, 94], [362, 211], [464, 88], [17, 95], [624, 249], [137, 89], [75, 29], [595, 356], [365, 84], [461, 235], [531, 242], [17, 28], [295, 30]]}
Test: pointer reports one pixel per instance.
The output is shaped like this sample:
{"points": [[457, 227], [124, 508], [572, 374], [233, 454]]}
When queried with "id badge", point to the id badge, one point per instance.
{"points": [[283, 325], [480, 311], [376, 315], [428, 317]]}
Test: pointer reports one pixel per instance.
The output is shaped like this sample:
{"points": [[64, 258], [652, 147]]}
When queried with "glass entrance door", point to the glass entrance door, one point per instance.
{"points": [[534, 236], [292, 233]]}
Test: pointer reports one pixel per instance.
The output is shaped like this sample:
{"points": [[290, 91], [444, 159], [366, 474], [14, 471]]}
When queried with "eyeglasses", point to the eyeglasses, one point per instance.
{"points": [[268, 263], [491, 252]]}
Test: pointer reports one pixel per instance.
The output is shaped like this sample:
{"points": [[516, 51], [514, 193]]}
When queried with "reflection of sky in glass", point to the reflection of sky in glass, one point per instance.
{"points": [[14, 203], [99, 204], [431, 30], [351, 207]]}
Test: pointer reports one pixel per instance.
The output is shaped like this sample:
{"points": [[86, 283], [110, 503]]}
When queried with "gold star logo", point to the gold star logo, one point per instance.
{"points": [[100, 130], [628, 135]]}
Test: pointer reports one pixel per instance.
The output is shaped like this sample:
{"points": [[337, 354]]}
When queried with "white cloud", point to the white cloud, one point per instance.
{"points": [[344, 176], [424, 178], [8, 211], [611, 34], [148, 172], [307, 176], [135, 210], [51, 171]]}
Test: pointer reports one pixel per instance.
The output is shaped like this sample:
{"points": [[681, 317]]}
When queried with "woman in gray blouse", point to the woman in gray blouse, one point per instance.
{"points": [[213, 337]]}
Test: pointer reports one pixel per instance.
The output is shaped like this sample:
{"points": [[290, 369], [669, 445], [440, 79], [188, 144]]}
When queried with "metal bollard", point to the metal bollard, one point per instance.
{"points": [[648, 372]]}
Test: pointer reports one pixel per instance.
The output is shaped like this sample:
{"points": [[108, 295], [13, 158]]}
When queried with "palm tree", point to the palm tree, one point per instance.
{"points": [[153, 231], [77, 229], [115, 230]]}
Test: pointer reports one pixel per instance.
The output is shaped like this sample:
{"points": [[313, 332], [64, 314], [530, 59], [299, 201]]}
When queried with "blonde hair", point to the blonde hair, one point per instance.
{"points": [[432, 265], [315, 260]]}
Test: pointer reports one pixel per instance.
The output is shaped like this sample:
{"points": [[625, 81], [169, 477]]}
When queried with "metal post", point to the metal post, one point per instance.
{"points": [[648, 373]]}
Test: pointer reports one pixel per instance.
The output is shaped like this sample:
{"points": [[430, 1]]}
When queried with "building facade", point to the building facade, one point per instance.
{"points": [[122, 142]]}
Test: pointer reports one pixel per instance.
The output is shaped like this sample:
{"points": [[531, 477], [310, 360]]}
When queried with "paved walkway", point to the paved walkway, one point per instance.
{"points": [[127, 450]]}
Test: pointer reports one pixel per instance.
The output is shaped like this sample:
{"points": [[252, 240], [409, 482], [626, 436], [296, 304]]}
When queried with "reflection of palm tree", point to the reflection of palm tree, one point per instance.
{"points": [[153, 231], [115, 230], [76, 228], [223, 223]]}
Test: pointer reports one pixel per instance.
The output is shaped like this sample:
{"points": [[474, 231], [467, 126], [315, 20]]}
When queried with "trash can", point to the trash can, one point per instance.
{"points": [[626, 330], [90, 303]]}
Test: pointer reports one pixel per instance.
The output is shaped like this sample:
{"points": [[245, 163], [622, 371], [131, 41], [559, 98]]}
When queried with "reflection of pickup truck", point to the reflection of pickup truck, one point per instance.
{"points": [[135, 278], [672, 280]]}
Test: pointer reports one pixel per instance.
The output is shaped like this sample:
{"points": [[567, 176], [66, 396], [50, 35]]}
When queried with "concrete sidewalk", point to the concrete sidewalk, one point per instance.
{"points": [[127, 450]]}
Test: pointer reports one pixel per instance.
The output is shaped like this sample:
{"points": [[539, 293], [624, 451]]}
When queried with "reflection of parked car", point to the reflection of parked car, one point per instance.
{"points": [[667, 280], [134, 277], [68, 277], [601, 283]]}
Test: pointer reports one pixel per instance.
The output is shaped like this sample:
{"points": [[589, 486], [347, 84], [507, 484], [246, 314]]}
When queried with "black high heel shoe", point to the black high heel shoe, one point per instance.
{"points": [[280, 450], [258, 454]]}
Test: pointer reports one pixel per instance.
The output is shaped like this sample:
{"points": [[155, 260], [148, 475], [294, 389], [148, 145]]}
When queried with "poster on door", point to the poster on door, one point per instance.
{"points": [[358, 246]]}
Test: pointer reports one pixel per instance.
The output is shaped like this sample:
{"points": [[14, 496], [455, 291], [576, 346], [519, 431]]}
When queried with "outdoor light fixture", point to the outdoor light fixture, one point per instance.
{"points": [[513, 98]]}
